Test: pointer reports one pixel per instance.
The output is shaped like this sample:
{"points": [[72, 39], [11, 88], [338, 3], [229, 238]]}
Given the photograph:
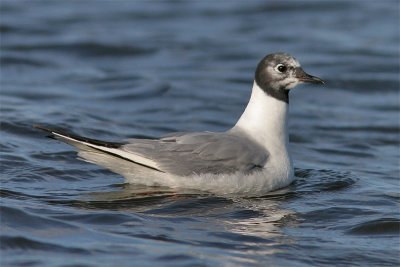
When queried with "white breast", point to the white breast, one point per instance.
{"points": [[265, 119]]}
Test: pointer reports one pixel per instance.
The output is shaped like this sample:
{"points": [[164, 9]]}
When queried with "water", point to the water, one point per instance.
{"points": [[120, 69]]}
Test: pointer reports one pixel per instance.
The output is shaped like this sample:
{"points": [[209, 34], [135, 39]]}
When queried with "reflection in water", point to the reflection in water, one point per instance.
{"points": [[249, 227]]}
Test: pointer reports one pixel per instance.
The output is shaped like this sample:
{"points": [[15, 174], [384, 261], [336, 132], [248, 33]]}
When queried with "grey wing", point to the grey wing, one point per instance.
{"points": [[196, 153]]}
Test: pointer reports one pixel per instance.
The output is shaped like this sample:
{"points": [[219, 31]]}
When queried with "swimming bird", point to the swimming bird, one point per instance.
{"points": [[251, 158]]}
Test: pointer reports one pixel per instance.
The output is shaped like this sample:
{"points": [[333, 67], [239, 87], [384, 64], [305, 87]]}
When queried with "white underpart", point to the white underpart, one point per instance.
{"points": [[255, 184], [266, 121]]}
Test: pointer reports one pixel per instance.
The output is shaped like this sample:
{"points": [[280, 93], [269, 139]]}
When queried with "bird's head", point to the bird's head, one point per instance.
{"points": [[277, 73]]}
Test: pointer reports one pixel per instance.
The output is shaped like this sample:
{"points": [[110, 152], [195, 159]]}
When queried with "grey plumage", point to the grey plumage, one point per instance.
{"points": [[205, 152]]}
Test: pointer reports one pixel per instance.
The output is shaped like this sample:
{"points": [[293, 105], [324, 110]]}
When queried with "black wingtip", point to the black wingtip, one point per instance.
{"points": [[43, 128], [54, 132], [46, 129]]}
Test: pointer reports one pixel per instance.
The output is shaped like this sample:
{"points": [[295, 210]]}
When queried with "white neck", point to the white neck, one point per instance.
{"points": [[265, 120]]}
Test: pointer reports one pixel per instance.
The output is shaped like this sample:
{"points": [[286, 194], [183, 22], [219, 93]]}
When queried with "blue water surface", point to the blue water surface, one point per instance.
{"points": [[120, 69]]}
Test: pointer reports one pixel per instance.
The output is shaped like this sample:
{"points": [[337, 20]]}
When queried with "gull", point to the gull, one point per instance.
{"points": [[251, 158]]}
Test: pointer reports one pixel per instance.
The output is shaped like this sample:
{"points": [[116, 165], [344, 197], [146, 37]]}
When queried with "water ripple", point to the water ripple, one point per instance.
{"points": [[383, 226], [23, 243], [310, 180], [87, 49]]}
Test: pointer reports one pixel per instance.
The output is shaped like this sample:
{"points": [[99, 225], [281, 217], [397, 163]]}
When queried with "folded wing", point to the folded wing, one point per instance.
{"points": [[196, 153], [180, 154]]}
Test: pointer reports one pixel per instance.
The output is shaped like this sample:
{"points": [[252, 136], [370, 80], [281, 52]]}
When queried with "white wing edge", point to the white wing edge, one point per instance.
{"points": [[114, 151]]}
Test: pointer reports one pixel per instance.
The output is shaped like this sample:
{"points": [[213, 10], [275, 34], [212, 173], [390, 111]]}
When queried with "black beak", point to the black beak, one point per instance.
{"points": [[307, 78]]}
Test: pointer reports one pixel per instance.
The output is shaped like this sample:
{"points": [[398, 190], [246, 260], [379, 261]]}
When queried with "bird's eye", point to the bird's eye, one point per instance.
{"points": [[281, 68]]}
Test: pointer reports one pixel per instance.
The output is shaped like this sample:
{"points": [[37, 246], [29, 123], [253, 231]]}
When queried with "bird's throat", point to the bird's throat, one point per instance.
{"points": [[265, 120]]}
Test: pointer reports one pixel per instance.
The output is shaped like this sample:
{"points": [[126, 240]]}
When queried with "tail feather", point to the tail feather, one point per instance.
{"points": [[111, 148]]}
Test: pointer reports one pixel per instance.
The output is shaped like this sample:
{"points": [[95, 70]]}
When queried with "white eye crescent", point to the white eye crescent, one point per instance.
{"points": [[280, 68]]}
